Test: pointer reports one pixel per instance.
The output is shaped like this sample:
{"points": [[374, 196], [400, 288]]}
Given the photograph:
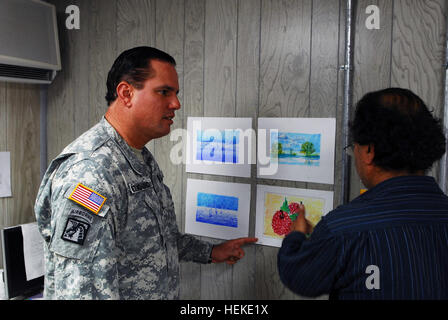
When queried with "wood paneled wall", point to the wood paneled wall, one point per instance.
{"points": [[19, 134], [245, 58], [408, 51]]}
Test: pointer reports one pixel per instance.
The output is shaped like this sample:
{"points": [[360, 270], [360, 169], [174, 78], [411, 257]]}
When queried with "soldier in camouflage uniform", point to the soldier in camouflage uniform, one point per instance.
{"points": [[103, 210]]}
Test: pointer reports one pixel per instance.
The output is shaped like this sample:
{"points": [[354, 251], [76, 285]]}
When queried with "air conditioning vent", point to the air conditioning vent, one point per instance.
{"points": [[29, 50], [17, 72]]}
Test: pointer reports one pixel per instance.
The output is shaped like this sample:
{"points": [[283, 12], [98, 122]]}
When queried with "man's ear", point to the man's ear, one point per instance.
{"points": [[125, 92], [369, 153]]}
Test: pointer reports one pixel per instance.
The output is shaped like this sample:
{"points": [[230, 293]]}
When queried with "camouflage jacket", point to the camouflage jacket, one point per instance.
{"points": [[132, 247]]}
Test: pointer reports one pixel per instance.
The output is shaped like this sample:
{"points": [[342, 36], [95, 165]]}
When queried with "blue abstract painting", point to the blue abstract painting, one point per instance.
{"points": [[217, 209], [296, 148], [218, 145]]}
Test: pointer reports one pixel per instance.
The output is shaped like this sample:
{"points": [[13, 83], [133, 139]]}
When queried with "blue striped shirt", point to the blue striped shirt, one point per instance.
{"points": [[400, 226]]}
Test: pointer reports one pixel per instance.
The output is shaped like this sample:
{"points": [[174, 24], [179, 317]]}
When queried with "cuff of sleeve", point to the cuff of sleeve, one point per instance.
{"points": [[205, 254], [210, 259]]}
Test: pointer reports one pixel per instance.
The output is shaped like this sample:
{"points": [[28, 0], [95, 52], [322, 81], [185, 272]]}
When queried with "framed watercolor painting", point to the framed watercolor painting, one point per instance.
{"points": [[298, 149], [217, 209], [276, 208], [220, 146]]}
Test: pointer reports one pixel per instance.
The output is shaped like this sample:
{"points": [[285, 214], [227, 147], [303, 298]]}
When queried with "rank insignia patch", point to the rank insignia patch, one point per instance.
{"points": [[75, 231], [87, 198]]}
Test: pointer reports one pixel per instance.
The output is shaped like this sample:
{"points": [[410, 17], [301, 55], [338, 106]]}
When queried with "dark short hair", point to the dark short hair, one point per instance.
{"points": [[134, 67], [404, 133]]}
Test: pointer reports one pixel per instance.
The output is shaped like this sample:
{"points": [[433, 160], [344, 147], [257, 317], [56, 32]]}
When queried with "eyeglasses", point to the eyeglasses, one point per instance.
{"points": [[349, 150]]}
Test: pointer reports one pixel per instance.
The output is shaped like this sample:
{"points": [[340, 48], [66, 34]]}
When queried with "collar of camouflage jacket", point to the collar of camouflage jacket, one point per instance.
{"points": [[137, 165], [130, 156]]}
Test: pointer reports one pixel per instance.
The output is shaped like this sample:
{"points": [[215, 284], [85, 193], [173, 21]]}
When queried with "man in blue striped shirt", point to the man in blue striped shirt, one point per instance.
{"points": [[392, 241]]}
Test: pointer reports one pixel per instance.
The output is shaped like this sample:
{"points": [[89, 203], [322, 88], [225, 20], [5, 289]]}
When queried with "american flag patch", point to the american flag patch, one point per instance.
{"points": [[87, 198]]}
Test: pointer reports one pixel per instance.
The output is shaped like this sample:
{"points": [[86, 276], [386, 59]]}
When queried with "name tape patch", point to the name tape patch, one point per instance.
{"points": [[137, 187], [88, 198]]}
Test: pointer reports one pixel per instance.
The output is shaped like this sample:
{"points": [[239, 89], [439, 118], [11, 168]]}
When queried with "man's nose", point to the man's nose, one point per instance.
{"points": [[175, 104]]}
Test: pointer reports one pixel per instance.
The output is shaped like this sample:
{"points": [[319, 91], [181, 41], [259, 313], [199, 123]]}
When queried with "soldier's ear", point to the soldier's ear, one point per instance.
{"points": [[125, 92]]}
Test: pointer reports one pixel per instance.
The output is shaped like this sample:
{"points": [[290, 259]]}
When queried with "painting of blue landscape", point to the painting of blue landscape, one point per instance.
{"points": [[218, 145], [296, 148], [217, 209]]}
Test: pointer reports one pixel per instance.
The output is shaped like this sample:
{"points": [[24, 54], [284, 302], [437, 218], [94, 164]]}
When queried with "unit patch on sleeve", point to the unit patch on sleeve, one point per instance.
{"points": [[75, 231], [88, 198]]}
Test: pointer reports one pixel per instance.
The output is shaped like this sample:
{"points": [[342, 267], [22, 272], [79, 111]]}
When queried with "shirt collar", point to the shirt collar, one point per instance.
{"points": [[137, 165], [407, 184]]}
